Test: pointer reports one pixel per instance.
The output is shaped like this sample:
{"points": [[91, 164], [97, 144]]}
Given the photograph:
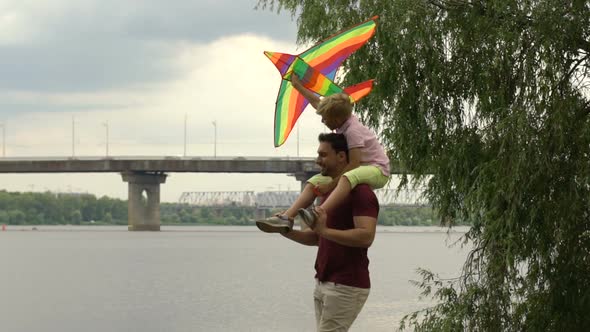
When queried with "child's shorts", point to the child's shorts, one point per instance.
{"points": [[370, 175], [319, 179]]}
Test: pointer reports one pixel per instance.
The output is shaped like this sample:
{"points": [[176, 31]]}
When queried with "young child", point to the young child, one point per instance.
{"points": [[367, 162]]}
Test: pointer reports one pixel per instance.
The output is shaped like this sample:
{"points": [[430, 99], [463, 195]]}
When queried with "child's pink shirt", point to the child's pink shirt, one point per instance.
{"points": [[359, 136]]}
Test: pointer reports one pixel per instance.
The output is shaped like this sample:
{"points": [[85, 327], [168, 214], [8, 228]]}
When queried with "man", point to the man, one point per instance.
{"points": [[343, 237]]}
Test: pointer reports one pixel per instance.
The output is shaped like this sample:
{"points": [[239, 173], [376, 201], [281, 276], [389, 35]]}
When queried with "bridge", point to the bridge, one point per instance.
{"points": [[145, 174], [158, 165]]}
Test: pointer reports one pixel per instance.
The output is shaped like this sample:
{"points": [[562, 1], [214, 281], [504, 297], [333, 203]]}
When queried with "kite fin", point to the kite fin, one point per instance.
{"points": [[282, 61], [360, 90]]}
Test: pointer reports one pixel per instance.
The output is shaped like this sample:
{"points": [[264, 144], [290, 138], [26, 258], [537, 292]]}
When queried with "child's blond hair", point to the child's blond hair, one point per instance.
{"points": [[336, 106]]}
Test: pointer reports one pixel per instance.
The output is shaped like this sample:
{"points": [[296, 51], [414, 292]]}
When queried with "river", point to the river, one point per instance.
{"points": [[199, 278]]}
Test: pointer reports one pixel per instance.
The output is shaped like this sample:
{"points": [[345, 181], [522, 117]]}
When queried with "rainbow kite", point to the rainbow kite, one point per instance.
{"points": [[316, 68]]}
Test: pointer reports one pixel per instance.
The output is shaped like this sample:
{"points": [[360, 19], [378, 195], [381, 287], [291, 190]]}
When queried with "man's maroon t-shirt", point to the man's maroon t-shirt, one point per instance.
{"points": [[341, 264]]}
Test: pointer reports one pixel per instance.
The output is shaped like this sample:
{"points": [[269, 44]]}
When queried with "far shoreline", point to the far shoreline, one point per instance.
{"points": [[217, 228]]}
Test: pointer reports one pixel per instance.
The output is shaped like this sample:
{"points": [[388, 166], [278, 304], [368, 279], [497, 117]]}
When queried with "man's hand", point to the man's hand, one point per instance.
{"points": [[320, 222]]}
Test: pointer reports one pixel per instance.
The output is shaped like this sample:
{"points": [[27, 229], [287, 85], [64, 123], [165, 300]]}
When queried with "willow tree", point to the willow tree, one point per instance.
{"points": [[488, 102]]}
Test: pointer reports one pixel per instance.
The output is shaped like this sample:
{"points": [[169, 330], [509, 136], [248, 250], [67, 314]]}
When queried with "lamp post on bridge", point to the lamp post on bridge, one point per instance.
{"points": [[3, 125], [297, 139], [106, 125], [214, 138], [73, 137], [185, 134]]}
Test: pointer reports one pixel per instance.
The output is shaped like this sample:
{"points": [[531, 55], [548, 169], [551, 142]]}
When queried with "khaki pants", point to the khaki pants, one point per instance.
{"points": [[336, 306]]}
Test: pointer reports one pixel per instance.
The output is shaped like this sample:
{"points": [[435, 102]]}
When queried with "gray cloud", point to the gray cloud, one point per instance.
{"points": [[82, 66], [11, 107], [116, 61], [203, 21], [95, 45]]}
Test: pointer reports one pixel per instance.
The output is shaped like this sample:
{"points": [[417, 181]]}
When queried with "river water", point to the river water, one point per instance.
{"points": [[200, 278]]}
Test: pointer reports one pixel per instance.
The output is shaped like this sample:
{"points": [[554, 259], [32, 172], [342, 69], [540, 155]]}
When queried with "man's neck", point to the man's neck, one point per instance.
{"points": [[338, 172]]}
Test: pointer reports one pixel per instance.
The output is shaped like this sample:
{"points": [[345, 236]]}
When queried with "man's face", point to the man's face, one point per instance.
{"points": [[329, 161]]}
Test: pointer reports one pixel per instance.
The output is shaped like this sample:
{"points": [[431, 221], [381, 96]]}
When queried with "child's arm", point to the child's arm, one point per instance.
{"points": [[310, 96]]}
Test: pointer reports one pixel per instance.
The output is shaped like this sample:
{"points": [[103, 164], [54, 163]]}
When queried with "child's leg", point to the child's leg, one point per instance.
{"points": [[339, 193], [370, 175], [307, 196], [304, 200]]}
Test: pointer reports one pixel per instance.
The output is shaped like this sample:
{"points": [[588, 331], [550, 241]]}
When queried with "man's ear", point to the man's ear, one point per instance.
{"points": [[342, 156]]}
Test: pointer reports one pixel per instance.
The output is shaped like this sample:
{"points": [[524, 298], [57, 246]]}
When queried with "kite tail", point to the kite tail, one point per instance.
{"points": [[358, 91]]}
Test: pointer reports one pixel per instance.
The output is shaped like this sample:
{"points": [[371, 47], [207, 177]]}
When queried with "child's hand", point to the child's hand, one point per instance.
{"points": [[295, 79], [325, 188]]}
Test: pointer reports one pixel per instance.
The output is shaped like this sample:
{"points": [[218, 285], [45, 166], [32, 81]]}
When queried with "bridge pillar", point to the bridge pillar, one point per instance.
{"points": [[259, 213], [303, 177], [144, 213]]}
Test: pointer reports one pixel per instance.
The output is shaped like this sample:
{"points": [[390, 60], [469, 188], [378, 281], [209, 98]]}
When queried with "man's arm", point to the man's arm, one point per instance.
{"points": [[362, 235], [306, 237], [310, 96]]}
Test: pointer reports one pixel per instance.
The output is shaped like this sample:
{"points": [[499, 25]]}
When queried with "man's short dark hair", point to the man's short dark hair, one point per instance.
{"points": [[337, 142]]}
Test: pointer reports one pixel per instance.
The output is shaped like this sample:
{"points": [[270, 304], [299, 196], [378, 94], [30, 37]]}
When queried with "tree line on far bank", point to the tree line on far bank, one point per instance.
{"points": [[81, 209]]}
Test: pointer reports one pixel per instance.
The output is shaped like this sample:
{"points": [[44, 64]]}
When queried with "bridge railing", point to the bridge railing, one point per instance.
{"points": [[284, 199]]}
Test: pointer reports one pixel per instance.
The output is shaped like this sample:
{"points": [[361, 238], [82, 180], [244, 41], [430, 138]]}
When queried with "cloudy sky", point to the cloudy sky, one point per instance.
{"points": [[139, 68]]}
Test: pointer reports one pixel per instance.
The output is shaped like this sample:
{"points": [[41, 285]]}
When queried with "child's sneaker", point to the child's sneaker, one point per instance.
{"points": [[275, 224], [309, 217]]}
